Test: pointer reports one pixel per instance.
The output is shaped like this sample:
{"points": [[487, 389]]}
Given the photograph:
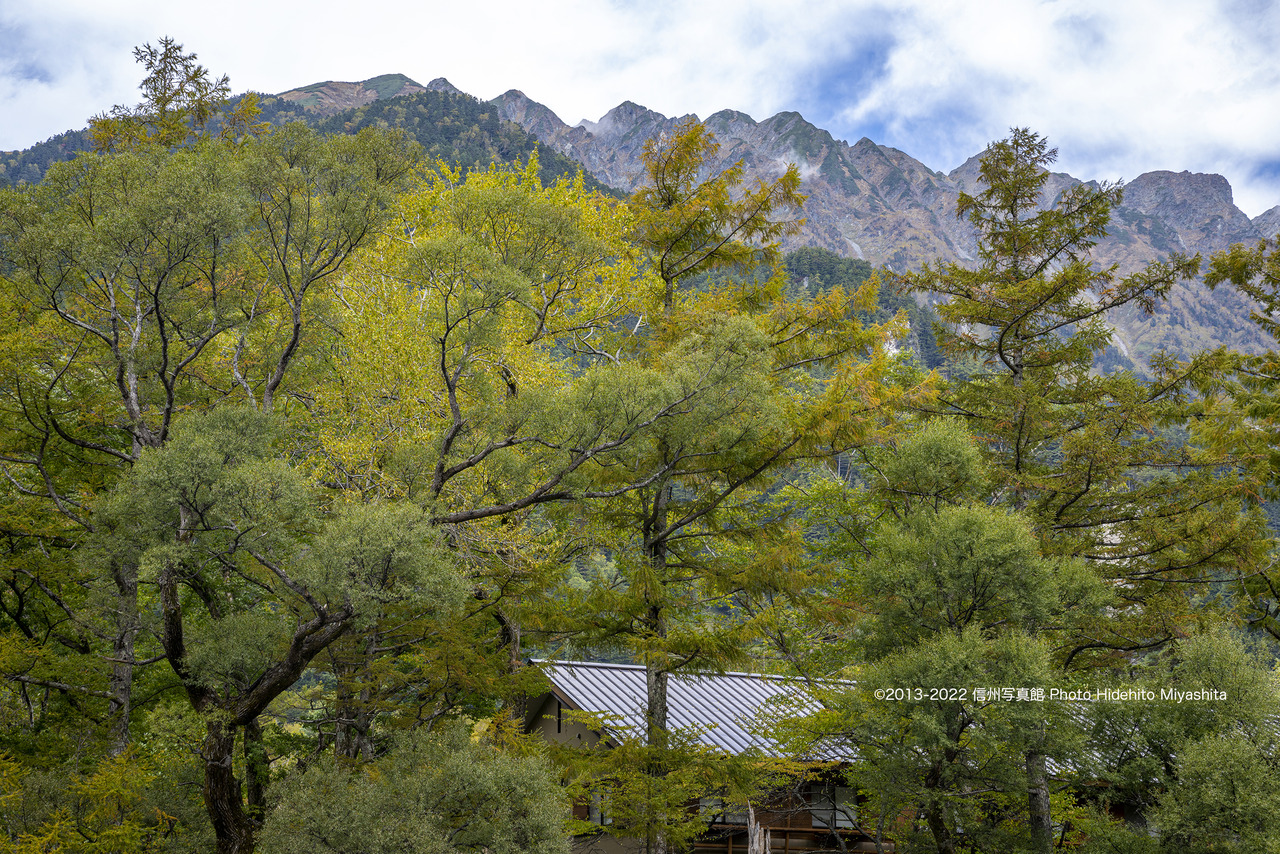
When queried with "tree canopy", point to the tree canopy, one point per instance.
{"points": [[309, 445]]}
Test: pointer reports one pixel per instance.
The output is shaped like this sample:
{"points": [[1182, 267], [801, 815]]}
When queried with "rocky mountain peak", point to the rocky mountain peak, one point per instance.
{"points": [[788, 119], [1268, 222], [628, 119], [538, 119], [1198, 207], [730, 118], [878, 203], [334, 96], [442, 85], [1150, 188]]}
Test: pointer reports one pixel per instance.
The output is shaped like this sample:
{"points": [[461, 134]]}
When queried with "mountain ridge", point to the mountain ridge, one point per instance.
{"points": [[882, 205], [333, 96], [865, 200]]}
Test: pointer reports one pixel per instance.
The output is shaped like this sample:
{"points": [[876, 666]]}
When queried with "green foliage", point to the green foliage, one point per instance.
{"points": [[145, 284], [813, 271], [1202, 771], [29, 165], [1084, 454], [951, 597], [303, 448], [959, 760], [688, 222], [689, 547], [821, 269], [614, 779], [220, 511], [438, 793], [1227, 797], [1034, 281], [458, 130], [1255, 272], [179, 100], [145, 799], [963, 566], [935, 465]]}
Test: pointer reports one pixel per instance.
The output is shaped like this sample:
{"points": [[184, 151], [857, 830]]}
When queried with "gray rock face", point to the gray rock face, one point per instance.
{"points": [[870, 201], [333, 96], [442, 85], [1268, 222], [1198, 208]]}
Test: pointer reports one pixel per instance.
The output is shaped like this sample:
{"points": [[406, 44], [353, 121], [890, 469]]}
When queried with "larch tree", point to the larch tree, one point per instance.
{"points": [[1255, 272], [1092, 459], [179, 102], [757, 385]]}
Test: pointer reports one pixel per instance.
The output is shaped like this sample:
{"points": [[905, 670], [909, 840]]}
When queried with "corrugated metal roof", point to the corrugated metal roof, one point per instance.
{"points": [[730, 706]]}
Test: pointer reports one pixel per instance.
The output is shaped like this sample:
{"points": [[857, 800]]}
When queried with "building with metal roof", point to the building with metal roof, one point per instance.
{"points": [[729, 711]]}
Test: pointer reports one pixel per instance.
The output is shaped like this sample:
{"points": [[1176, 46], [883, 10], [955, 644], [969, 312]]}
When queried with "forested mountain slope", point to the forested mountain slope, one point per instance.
{"points": [[865, 200], [874, 202], [451, 126]]}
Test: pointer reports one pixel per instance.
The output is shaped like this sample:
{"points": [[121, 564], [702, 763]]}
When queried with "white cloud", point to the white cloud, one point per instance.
{"points": [[1119, 87]]}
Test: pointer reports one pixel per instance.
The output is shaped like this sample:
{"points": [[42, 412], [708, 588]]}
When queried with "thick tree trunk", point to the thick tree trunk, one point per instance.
{"points": [[223, 801], [942, 838], [518, 703], [120, 686], [222, 796], [1041, 819], [256, 770], [354, 709]]}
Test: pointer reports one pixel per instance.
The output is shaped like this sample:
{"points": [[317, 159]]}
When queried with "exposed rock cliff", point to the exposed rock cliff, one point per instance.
{"points": [[332, 97], [874, 202]]}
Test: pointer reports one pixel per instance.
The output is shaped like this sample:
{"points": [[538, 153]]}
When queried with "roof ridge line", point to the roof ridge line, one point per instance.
{"points": [[698, 673]]}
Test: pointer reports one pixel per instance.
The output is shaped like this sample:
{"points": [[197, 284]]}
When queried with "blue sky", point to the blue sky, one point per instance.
{"points": [[1121, 87]]}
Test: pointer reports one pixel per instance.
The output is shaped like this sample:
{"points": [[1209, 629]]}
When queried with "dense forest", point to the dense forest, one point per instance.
{"points": [[312, 442], [452, 127]]}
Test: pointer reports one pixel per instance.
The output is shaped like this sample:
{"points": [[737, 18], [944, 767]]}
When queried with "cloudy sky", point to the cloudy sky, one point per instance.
{"points": [[1121, 87]]}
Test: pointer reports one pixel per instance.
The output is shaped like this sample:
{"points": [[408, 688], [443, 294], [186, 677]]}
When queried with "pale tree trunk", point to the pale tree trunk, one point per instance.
{"points": [[758, 841], [1041, 819], [124, 574]]}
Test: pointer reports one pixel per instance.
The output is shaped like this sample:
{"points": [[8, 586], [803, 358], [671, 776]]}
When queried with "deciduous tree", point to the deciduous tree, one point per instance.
{"points": [[755, 385], [438, 793], [952, 598]]}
